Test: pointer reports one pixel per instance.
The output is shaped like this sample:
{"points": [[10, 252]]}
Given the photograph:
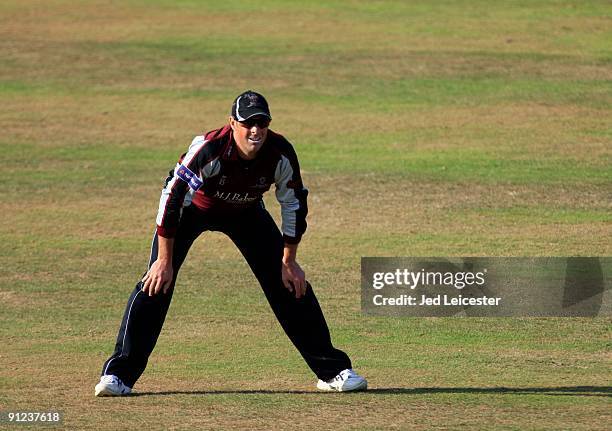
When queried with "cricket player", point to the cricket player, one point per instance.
{"points": [[218, 186]]}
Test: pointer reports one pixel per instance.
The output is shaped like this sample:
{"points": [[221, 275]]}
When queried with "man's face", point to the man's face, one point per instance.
{"points": [[250, 135]]}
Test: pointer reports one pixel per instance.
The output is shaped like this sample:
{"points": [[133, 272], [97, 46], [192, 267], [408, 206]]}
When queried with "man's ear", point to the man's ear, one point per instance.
{"points": [[231, 122]]}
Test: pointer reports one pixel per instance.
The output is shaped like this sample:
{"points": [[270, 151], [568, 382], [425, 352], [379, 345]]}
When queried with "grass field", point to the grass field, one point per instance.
{"points": [[448, 128]]}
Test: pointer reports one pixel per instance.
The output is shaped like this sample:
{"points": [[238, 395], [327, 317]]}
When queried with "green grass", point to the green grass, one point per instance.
{"points": [[423, 128]]}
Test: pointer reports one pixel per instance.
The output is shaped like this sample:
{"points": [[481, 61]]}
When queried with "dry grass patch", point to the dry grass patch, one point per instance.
{"points": [[342, 201]]}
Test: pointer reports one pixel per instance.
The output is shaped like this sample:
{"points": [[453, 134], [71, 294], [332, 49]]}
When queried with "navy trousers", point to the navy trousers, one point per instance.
{"points": [[256, 235]]}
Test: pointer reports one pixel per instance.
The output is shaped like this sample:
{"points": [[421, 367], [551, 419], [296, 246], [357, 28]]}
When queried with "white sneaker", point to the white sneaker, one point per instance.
{"points": [[111, 386], [347, 380]]}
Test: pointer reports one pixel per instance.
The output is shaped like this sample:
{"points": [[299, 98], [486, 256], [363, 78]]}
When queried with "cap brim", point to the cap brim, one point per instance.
{"points": [[254, 113]]}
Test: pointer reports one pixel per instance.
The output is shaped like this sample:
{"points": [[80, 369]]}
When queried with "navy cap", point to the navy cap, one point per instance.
{"points": [[250, 104]]}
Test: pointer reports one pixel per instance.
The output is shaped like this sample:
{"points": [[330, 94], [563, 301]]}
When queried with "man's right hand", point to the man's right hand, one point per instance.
{"points": [[158, 278]]}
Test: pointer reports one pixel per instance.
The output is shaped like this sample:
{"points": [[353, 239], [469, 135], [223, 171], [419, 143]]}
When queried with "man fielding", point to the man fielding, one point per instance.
{"points": [[218, 186]]}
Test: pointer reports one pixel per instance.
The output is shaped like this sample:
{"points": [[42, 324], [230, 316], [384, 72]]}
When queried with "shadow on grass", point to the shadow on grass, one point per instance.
{"points": [[580, 391]]}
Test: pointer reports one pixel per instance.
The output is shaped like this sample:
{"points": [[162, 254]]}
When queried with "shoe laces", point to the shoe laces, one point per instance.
{"points": [[110, 379], [344, 375]]}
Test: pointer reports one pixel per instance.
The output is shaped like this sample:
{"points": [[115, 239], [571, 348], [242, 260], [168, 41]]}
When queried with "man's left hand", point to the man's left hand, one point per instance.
{"points": [[294, 278]]}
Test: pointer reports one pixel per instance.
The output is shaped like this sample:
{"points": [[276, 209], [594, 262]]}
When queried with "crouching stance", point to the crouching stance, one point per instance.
{"points": [[218, 186]]}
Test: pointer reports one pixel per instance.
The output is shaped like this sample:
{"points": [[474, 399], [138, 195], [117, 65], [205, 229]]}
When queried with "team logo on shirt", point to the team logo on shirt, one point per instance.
{"points": [[261, 183]]}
